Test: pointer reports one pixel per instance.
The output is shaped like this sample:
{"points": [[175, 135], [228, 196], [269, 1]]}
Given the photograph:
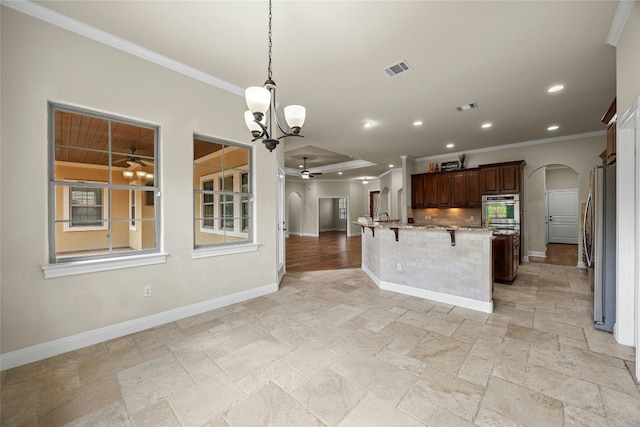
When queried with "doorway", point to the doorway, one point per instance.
{"points": [[333, 214], [374, 204]]}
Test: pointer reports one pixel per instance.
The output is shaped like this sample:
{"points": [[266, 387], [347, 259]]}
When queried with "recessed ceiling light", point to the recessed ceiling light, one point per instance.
{"points": [[555, 88], [390, 166], [368, 124], [554, 127], [300, 166], [417, 123], [339, 173], [486, 125], [450, 145]]}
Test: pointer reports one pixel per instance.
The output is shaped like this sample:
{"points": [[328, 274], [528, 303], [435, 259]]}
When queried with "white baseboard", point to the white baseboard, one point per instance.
{"points": [[484, 306], [525, 259], [581, 264], [74, 342], [538, 254]]}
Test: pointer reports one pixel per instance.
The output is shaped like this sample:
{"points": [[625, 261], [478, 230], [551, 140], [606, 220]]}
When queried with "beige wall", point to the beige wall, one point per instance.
{"points": [[42, 63]]}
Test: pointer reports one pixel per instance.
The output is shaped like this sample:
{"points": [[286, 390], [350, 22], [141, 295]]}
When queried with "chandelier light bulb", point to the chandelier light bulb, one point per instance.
{"points": [[295, 115], [127, 174], [141, 174], [258, 99]]}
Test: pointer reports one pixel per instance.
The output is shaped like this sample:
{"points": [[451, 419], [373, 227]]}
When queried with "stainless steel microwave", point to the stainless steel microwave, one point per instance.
{"points": [[501, 210]]}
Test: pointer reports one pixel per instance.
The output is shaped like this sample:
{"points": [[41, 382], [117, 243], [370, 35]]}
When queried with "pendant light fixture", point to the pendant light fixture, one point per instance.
{"points": [[262, 109]]}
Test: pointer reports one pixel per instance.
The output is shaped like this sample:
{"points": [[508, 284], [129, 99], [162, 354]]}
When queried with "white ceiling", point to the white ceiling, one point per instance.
{"points": [[329, 56]]}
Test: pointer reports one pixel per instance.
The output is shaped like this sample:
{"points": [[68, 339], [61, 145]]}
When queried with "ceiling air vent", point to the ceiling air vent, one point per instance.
{"points": [[395, 69], [466, 107]]}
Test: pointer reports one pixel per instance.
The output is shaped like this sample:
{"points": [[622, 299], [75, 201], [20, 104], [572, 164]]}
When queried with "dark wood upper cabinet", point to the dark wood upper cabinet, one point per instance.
{"points": [[444, 189], [459, 189], [501, 178], [431, 190], [474, 195], [417, 191]]}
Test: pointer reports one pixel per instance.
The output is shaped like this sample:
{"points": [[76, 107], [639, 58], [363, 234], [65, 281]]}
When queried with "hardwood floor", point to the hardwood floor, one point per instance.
{"points": [[333, 250], [559, 254]]}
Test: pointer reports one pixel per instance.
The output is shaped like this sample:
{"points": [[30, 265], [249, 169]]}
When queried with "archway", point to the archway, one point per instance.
{"points": [[294, 214], [547, 186]]}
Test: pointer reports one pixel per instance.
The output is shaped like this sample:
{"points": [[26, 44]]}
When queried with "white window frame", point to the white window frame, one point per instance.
{"points": [[133, 208], [67, 210], [217, 204]]}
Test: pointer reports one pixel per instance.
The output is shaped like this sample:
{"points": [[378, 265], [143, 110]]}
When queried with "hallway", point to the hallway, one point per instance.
{"points": [[333, 250]]}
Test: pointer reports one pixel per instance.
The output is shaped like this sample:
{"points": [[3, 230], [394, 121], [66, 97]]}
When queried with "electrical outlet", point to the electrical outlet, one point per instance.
{"points": [[472, 217], [147, 291], [399, 267]]}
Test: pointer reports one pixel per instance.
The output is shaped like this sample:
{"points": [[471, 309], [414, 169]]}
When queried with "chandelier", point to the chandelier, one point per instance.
{"points": [[262, 102]]}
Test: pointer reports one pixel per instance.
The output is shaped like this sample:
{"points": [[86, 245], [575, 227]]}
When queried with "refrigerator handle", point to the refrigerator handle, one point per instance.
{"points": [[587, 205]]}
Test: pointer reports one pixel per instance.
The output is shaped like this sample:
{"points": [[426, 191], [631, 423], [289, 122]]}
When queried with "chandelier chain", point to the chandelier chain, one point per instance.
{"points": [[270, 44]]}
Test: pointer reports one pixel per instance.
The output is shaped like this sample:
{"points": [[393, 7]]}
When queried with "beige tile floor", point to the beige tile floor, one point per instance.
{"points": [[331, 349]]}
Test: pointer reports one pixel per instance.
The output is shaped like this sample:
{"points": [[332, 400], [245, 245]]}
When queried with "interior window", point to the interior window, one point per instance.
{"points": [[101, 169], [222, 192]]}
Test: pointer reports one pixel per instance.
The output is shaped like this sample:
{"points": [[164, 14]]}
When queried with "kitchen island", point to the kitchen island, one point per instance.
{"points": [[452, 265]]}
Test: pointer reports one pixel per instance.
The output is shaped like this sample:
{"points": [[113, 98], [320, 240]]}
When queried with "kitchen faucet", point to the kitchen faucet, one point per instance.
{"points": [[384, 213]]}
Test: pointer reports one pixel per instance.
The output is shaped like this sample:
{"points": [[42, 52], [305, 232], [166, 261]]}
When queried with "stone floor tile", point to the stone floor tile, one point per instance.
{"points": [[532, 336], [476, 370], [157, 336], [205, 400], [248, 359], [445, 391], [522, 406], [401, 361], [441, 352], [566, 388], [470, 330], [329, 396], [384, 380], [67, 407], [263, 376], [290, 380], [489, 418], [158, 415], [240, 336], [198, 365], [586, 366], [149, 382], [270, 406], [114, 415], [622, 409], [603, 342], [310, 358], [427, 412], [373, 412], [466, 313], [379, 316], [562, 329], [579, 417]]}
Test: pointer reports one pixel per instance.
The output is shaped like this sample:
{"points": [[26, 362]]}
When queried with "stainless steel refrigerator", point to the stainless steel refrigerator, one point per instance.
{"points": [[599, 239]]}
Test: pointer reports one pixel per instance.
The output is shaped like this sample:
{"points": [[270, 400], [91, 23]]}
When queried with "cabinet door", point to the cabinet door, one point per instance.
{"points": [[502, 258], [431, 190], [490, 180], [510, 179], [444, 190], [474, 195], [459, 189], [417, 191]]}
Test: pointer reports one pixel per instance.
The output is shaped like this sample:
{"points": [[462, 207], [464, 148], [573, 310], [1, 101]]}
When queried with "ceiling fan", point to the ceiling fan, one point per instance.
{"points": [[305, 174], [133, 161]]}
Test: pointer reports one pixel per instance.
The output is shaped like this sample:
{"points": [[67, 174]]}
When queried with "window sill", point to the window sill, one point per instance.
{"points": [[224, 250], [97, 265]]}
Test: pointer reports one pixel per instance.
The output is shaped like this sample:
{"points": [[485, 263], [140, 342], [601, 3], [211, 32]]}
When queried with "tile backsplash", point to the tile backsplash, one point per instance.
{"points": [[469, 217]]}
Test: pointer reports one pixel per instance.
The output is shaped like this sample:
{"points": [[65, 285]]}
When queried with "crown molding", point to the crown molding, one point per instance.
{"points": [[516, 145], [52, 17], [619, 21]]}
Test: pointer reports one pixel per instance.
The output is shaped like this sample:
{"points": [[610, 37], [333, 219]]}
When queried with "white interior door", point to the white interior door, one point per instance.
{"points": [[281, 225], [563, 216]]}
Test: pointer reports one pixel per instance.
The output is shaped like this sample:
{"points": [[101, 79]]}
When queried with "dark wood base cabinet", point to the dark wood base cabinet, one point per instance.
{"points": [[506, 258]]}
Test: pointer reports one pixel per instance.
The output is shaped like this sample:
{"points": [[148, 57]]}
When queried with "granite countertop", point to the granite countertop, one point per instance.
{"points": [[402, 225]]}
